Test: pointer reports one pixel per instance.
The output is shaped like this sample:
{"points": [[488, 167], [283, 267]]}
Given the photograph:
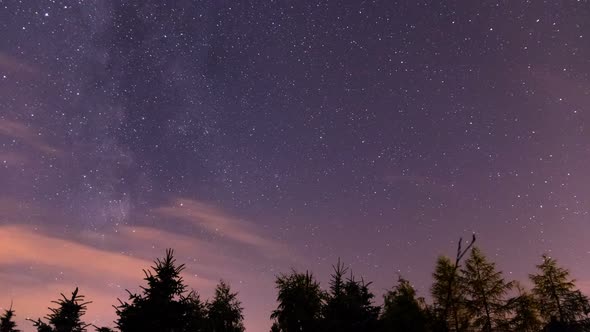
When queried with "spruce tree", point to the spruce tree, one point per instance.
{"points": [[485, 289], [402, 311], [300, 303], [164, 305], [6, 321], [557, 294], [66, 317], [224, 312], [349, 304]]}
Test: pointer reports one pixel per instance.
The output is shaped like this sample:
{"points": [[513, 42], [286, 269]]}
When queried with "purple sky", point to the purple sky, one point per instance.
{"points": [[257, 136]]}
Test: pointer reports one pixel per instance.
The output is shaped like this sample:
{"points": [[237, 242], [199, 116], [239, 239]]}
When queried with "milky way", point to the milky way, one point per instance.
{"points": [[253, 137]]}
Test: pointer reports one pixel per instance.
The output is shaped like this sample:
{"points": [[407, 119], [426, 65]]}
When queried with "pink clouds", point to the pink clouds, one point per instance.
{"points": [[218, 222], [39, 262]]}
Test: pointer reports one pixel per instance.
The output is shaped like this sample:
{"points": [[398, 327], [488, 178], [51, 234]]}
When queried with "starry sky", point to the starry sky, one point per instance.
{"points": [[256, 136]]}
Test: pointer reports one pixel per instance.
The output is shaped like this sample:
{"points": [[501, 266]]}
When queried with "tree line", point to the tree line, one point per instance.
{"points": [[467, 294]]}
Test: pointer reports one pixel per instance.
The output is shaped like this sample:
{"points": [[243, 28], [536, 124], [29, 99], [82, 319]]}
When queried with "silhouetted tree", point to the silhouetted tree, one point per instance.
{"points": [[555, 290], [402, 311], [525, 312], [275, 327], [349, 304], [6, 321], [196, 313], [485, 289], [300, 303], [445, 307], [103, 329], [224, 313], [164, 305], [446, 277], [66, 317]]}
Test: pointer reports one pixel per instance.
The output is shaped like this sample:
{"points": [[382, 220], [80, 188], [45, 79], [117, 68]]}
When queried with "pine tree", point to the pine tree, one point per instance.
{"points": [[301, 301], [224, 313], [485, 289], [164, 305], [349, 304], [66, 317], [446, 277], [6, 322], [557, 295], [402, 311]]}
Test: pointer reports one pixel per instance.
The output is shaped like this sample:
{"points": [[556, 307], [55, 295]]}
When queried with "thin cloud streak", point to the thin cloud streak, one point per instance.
{"points": [[19, 131], [216, 221], [38, 263], [11, 64]]}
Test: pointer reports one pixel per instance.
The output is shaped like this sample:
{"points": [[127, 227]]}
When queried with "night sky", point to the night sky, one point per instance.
{"points": [[256, 136]]}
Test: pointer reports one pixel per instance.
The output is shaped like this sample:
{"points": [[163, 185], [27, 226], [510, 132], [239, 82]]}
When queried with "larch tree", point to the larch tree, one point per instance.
{"points": [[485, 290], [446, 277], [557, 294], [524, 310]]}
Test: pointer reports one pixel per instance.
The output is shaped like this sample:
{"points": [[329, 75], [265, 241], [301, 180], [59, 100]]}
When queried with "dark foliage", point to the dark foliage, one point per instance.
{"points": [[301, 301], [525, 312], [560, 302], [224, 313], [164, 305], [402, 311], [485, 292], [472, 297], [6, 321], [66, 317], [349, 304]]}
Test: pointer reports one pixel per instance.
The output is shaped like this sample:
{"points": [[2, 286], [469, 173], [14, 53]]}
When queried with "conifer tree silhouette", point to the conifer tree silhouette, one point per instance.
{"points": [[224, 312], [556, 292], [525, 312], [164, 305], [349, 304], [485, 289], [441, 322], [103, 329], [300, 305], [66, 317], [6, 321], [402, 311], [275, 327], [447, 277]]}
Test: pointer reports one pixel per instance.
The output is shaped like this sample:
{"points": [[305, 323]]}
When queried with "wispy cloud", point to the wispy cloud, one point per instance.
{"points": [[35, 139], [36, 266], [38, 262], [216, 221], [13, 158], [9, 63]]}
